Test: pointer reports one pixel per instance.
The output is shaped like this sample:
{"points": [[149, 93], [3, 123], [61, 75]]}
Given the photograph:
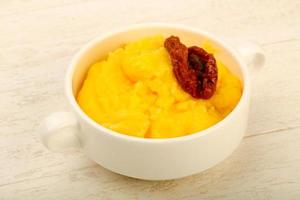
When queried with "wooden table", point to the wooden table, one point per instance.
{"points": [[37, 41]]}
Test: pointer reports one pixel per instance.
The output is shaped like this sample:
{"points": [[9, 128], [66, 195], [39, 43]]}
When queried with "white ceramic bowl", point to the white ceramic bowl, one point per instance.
{"points": [[151, 159]]}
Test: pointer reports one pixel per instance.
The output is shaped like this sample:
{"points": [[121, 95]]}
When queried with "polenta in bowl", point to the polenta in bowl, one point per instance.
{"points": [[136, 91]]}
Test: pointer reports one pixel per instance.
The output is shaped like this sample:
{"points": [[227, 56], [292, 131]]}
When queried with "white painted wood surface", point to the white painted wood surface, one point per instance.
{"points": [[38, 39]]}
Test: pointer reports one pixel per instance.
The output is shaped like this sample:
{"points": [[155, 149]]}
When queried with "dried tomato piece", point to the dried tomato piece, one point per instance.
{"points": [[194, 68], [206, 67]]}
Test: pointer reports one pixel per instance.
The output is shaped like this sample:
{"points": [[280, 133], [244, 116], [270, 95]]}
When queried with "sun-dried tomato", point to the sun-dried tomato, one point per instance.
{"points": [[194, 68]]}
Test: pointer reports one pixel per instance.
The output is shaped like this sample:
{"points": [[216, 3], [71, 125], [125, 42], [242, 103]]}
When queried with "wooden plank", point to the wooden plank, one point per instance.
{"points": [[264, 167], [275, 100]]}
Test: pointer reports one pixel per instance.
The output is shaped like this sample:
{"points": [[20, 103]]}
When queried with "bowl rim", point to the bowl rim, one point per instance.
{"points": [[71, 98]]}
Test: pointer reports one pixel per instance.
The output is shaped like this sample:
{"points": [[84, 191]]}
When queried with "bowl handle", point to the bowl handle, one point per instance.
{"points": [[58, 132], [251, 53]]}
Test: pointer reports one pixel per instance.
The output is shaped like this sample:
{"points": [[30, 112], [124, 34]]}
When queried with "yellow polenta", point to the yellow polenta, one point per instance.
{"points": [[133, 91]]}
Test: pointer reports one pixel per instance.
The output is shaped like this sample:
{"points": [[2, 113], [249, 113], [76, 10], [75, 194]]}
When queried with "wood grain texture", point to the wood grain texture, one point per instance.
{"points": [[37, 41]]}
